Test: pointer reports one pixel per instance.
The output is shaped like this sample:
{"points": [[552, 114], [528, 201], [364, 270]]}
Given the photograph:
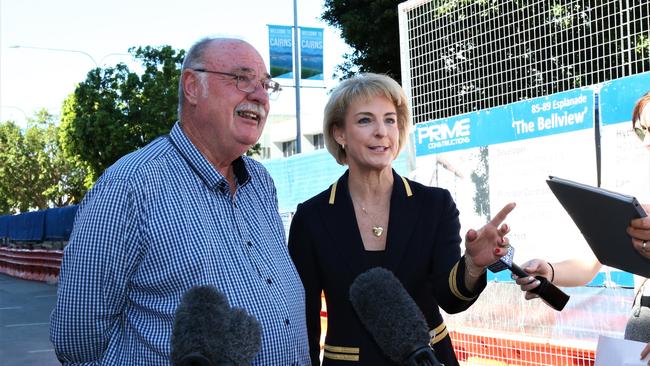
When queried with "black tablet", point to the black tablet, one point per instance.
{"points": [[603, 217]]}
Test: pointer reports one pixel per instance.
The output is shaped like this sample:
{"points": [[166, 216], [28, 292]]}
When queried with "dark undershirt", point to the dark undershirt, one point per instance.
{"points": [[374, 258]]}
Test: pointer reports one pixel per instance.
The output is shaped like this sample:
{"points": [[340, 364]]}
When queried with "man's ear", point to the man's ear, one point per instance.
{"points": [[191, 86]]}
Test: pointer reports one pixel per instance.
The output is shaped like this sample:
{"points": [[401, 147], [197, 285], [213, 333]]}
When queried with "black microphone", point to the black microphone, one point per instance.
{"points": [[392, 317], [548, 292], [208, 332]]}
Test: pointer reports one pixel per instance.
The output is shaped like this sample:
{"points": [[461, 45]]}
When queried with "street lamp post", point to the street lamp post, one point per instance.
{"points": [[97, 64], [16, 108], [296, 74]]}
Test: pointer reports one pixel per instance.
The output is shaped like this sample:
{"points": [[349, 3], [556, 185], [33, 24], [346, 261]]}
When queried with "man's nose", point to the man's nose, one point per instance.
{"points": [[259, 94]]}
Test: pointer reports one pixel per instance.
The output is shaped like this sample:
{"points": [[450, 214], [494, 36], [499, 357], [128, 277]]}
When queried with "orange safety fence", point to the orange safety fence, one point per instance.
{"points": [[495, 350], [491, 347], [34, 264]]}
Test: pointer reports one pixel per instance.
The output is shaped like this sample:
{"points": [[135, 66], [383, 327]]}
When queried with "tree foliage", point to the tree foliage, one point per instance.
{"points": [[371, 29], [35, 173], [481, 178], [115, 110]]}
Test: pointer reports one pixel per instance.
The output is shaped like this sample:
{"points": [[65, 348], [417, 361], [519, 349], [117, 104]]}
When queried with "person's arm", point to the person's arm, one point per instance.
{"points": [[575, 272], [645, 352], [486, 246], [568, 273], [447, 264], [459, 280], [92, 284], [301, 251]]}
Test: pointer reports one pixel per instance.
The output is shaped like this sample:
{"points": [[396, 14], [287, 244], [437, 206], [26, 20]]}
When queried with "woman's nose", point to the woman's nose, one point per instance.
{"points": [[381, 129]]}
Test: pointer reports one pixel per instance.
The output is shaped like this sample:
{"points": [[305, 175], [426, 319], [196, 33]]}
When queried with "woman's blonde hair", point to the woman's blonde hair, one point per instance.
{"points": [[362, 87]]}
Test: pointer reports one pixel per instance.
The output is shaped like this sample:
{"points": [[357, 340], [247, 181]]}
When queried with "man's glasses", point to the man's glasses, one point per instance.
{"points": [[641, 131], [247, 84]]}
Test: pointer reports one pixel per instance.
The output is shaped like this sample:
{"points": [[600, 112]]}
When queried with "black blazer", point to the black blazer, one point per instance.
{"points": [[422, 250]]}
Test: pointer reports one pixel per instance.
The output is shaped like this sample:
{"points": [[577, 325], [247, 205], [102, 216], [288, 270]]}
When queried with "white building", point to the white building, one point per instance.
{"points": [[279, 136]]}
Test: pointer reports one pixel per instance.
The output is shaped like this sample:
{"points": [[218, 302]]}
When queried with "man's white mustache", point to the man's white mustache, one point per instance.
{"points": [[252, 107]]}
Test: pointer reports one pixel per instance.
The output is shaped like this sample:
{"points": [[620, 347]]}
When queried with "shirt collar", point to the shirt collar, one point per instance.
{"points": [[201, 166]]}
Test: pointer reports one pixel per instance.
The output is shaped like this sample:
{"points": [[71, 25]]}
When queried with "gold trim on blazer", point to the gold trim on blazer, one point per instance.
{"points": [[333, 193], [340, 356], [453, 285], [407, 187], [438, 333], [341, 353], [340, 349]]}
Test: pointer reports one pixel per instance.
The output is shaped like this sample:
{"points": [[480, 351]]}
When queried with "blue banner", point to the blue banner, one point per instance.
{"points": [[281, 51], [559, 113], [618, 97], [311, 53]]}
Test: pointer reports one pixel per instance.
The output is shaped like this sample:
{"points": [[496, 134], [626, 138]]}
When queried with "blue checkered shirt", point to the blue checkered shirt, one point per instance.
{"points": [[156, 223]]}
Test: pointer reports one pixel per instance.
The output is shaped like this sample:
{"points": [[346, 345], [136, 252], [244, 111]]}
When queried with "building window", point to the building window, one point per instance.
{"points": [[318, 141], [289, 148], [265, 152]]}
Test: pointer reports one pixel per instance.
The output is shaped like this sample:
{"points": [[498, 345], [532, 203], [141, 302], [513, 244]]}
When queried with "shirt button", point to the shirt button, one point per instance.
{"points": [[286, 322], [269, 281]]}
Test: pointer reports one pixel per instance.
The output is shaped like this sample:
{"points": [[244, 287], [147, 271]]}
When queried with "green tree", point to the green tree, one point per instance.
{"points": [[480, 177], [12, 167], [115, 111], [255, 150], [371, 28], [35, 174]]}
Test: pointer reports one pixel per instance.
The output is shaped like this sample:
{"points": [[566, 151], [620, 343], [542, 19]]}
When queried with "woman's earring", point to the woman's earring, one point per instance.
{"points": [[343, 146]]}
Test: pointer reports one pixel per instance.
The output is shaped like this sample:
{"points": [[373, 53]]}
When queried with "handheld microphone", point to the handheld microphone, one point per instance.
{"points": [[208, 332], [548, 292], [393, 319]]}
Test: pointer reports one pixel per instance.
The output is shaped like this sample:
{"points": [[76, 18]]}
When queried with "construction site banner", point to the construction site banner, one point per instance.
{"points": [[554, 114], [505, 154]]}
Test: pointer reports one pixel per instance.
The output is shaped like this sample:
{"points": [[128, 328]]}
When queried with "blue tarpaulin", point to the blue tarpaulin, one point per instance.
{"points": [[50, 224], [4, 226], [58, 222], [28, 226]]}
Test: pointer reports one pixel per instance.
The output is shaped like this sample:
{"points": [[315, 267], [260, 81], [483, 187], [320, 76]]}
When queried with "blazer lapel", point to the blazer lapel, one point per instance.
{"points": [[404, 211], [341, 224]]}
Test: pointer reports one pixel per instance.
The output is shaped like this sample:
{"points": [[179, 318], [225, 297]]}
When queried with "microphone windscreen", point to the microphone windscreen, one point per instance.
{"points": [[244, 338], [207, 331], [389, 313]]}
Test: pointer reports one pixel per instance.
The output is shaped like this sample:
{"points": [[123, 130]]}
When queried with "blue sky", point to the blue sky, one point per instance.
{"points": [[31, 79]]}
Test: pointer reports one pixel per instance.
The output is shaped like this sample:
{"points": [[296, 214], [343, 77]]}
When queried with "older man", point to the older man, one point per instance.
{"points": [[188, 209]]}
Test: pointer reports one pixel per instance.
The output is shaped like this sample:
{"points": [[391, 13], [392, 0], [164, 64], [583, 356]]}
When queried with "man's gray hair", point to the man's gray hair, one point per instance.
{"points": [[194, 59]]}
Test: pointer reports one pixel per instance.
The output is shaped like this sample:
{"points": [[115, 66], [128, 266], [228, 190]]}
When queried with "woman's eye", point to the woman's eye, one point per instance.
{"points": [[364, 120], [391, 121]]}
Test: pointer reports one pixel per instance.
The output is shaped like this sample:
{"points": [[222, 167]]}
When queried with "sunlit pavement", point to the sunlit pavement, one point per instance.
{"points": [[25, 308]]}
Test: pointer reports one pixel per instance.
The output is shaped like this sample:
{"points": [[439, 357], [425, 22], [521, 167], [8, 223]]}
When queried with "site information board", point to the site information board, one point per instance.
{"points": [[504, 154], [492, 157]]}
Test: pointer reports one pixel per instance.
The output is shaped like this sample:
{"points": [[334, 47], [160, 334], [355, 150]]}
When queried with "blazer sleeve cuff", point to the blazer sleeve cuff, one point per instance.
{"points": [[457, 284]]}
